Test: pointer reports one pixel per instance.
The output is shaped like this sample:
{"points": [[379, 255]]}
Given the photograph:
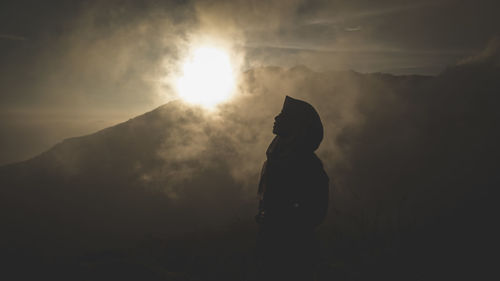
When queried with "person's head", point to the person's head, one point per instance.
{"points": [[298, 119]]}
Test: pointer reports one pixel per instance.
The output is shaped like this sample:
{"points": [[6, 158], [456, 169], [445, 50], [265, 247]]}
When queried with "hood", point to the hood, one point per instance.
{"points": [[308, 123]]}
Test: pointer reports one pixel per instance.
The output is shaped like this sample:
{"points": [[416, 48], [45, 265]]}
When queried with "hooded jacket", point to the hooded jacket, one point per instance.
{"points": [[293, 188]]}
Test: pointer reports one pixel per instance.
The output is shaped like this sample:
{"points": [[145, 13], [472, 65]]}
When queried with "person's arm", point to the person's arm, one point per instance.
{"points": [[309, 205], [259, 218]]}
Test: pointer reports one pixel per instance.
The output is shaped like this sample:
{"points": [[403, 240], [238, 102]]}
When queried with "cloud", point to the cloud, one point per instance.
{"points": [[491, 54], [121, 55], [360, 14], [13, 37], [351, 29]]}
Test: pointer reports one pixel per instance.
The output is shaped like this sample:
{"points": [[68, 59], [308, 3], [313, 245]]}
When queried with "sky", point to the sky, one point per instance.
{"points": [[70, 68]]}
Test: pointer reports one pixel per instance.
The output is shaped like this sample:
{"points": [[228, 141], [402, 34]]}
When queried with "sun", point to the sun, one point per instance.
{"points": [[207, 77]]}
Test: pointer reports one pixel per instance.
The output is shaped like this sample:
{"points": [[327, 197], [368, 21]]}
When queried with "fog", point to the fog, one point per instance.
{"points": [[93, 64], [114, 157]]}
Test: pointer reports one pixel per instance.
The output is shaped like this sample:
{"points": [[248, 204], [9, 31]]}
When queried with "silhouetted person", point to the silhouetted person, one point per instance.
{"points": [[293, 192]]}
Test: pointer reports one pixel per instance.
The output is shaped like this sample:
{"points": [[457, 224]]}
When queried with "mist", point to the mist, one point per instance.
{"points": [[83, 60], [101, 155]]}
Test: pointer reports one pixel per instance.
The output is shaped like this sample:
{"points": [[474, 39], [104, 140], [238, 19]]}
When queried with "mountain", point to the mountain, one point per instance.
{"points": [[411, 159]]}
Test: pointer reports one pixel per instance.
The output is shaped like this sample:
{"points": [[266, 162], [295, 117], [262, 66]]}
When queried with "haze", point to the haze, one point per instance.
{"points": [[72, 68], [119, 160]]}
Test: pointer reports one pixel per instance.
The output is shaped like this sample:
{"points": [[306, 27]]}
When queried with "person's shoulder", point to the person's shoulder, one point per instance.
{"points": [[309, 163]]}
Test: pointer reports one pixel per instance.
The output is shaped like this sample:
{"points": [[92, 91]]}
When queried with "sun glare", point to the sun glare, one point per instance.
{"points": [[207, 77]]}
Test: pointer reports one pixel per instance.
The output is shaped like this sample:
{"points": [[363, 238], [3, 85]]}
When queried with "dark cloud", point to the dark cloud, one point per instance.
{"points": [[441, 31]]}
